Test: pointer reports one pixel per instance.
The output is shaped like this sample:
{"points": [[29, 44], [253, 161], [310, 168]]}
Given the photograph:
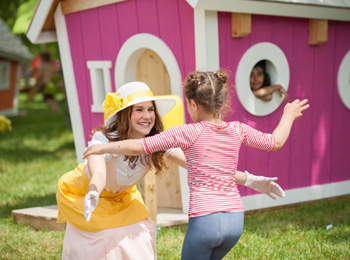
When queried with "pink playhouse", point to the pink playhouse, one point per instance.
{"points": [[305, 43]]}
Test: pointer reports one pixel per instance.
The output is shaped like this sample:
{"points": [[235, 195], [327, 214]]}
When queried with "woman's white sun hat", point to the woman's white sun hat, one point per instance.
{"points": [[130, 94]]}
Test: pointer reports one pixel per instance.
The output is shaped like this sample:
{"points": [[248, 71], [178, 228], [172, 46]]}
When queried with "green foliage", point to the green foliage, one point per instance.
{"points": [[40, 149], [8, 11], [24, 16], [5, 124], [32, 157], [11, 10]]}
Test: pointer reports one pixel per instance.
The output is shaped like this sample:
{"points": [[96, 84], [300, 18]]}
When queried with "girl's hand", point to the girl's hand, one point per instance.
{"points": [[296, 108], [95, 149], [291, 112], [282, 92]]}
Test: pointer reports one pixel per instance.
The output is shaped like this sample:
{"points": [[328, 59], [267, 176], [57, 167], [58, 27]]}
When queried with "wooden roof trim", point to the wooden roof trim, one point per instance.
{"points": [[42, 27], [35, 32], [318, 31], [73, 6], [49, 24], [241, 25]]}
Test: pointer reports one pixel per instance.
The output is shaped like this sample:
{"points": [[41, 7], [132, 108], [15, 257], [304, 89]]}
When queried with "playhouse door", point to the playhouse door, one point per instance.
{"points": [[152, 71]]}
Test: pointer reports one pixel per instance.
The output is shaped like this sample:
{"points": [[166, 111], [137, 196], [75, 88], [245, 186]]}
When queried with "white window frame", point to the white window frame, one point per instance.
{"points": [[5, 72], [344, 80], [100, 77], [278, 69]]}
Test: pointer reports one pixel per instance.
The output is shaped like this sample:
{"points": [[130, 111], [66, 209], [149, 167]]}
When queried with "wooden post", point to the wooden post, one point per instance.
{"points": [[318, 31], [169, 188], [147, 187], [241, 25]]}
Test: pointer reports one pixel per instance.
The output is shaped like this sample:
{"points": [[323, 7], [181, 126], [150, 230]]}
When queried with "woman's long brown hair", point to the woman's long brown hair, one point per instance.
{"points": [[122, 126]]}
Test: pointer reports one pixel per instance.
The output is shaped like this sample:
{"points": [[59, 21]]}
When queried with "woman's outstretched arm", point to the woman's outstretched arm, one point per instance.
{"points": [[265, 185], [97, 170], [265, 93]]}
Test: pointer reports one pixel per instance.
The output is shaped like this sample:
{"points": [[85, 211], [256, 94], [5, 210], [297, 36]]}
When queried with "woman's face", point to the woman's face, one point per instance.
{"points": [[256, 78], [142, 119]]}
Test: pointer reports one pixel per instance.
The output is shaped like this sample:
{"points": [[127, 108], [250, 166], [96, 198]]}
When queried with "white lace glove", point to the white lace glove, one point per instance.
{"points": [[265, 185], [90, 203]]}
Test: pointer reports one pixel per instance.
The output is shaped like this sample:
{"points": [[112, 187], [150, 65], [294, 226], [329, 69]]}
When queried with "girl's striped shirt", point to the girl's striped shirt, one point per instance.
{"points": [[212, 154]]}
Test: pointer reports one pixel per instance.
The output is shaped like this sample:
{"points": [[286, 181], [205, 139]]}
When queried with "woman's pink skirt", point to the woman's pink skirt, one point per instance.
{"points": [[135, 241]]}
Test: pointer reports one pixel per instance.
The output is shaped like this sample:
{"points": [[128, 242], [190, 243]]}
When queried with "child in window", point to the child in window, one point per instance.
{"points": [[260, 83]]}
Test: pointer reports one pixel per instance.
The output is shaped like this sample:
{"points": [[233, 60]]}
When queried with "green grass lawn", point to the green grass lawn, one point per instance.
{"points": [[41, 148]]}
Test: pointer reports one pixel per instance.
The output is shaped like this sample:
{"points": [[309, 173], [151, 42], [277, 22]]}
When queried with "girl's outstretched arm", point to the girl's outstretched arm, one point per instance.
{"points": [[265, 93], [291, 112], [131, 147]]}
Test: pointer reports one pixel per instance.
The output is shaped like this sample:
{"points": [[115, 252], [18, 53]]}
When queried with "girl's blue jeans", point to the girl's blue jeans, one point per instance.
{"points": [[212, 236]]}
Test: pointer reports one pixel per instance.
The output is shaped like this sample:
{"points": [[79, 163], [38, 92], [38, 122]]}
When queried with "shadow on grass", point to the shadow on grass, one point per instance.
{"points": [[38, 115], [29, 153], [29, 202]]}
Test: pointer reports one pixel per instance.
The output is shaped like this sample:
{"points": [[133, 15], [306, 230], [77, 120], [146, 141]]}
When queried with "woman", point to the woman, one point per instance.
{"points": [[114, 223]]}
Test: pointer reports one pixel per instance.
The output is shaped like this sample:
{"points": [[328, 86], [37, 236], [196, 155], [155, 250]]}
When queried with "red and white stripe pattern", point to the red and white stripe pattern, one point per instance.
{"points": [[212, 156]]}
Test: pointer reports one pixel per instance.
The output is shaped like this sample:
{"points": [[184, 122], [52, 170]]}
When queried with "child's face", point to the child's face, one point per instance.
{"points": [[256, 78], [142, 119]]}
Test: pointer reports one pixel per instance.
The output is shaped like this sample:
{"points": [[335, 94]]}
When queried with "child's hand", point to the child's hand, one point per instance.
{"points": [[296, 108], [284, 93], [95, 149], [265, 185]]}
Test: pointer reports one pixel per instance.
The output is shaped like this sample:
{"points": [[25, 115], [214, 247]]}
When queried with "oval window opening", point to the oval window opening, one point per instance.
{"points": [[275, 66], [344, 80]]}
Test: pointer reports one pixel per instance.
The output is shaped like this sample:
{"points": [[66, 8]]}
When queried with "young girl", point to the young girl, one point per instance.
{"points": [[261, 85], [120, 227], [211, 147]]}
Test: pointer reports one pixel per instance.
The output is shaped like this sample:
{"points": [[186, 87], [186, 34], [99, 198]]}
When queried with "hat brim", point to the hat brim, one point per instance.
{"points": [[164, 105]]}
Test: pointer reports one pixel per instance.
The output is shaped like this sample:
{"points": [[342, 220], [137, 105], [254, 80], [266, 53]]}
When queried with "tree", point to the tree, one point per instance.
{"points": [[19, 13], [24, 16], [8, 11]]}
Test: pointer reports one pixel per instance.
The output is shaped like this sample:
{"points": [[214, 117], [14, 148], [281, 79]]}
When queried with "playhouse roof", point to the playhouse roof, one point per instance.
{"points": [[11, 46], [337, 3], [327, 3], [317, 9], [42, 28]]}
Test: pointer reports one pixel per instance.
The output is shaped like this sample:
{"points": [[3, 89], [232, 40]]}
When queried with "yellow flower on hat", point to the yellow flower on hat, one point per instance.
{"points": [[113, 103]]}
